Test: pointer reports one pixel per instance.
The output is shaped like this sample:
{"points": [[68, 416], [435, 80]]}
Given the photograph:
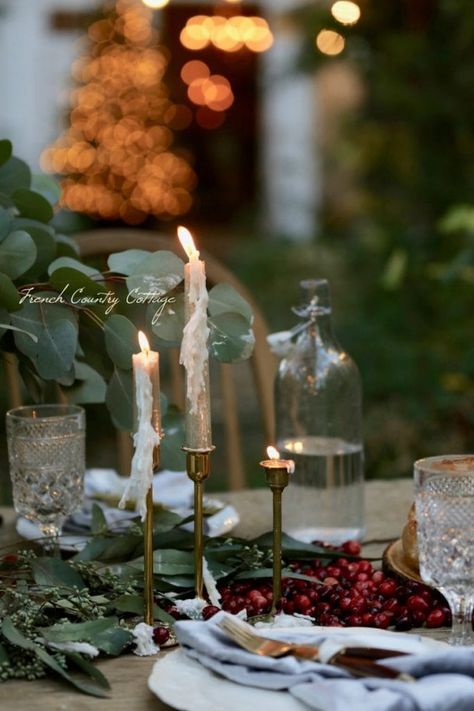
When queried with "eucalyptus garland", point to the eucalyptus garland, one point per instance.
{"points": [[51, 609]]}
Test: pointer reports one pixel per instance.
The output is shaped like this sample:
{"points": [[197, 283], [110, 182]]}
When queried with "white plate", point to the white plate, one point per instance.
{"points": [[185, 685]]}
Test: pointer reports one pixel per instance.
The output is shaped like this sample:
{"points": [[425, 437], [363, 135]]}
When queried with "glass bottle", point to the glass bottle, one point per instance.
{"points": [[319, 425]]}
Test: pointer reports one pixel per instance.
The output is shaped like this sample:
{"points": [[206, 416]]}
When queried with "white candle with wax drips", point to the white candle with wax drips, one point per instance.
{"points": [[146, 379], [194, 353]]}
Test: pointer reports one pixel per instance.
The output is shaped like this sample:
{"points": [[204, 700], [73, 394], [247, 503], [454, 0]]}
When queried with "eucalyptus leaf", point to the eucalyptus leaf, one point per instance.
{"points": [[35, 316], [104, 633], [32, 204], [119, 399], [17, 253], [127, 261], [178, 581], [6, 221], [223, 298], [171, 454], [231, 338], [14, 174], [77, 286], [9, 296], [88, 668], [6, 149], [55, 572], [98, 522], [46, 186], [14, 636], [73, 264], [89, 386], [158, 273], [66, 246], [135, 604], [55, 349], [121, 340], [46, 248], [168, 322]]}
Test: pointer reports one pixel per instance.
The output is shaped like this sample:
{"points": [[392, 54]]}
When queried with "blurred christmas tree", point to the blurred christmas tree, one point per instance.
{"points": [[116, 155]]}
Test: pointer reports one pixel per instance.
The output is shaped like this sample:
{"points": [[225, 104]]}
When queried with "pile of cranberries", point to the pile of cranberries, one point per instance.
{"points": [[349, 593]]}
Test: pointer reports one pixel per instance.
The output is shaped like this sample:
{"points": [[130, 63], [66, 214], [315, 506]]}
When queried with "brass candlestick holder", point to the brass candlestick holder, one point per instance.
{"points": [[277, 478], [198, 467], [148, 596]]}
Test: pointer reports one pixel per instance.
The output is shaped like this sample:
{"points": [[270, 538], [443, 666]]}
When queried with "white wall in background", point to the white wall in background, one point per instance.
{"points": [[35, 64]]}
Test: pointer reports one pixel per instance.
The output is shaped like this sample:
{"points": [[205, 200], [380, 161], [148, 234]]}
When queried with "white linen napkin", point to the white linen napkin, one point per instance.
{"points": [[445, 675]]}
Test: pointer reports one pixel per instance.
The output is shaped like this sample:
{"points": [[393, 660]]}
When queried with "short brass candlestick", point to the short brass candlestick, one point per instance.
{"points": [[277, 478], [198, 467], [148, 596]]}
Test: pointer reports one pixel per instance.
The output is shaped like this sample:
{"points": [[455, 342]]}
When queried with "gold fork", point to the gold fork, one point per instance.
{"points": [[359, 661]]}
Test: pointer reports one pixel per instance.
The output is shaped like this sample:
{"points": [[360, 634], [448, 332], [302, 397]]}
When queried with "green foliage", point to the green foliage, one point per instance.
{"points": [[68, 323], [401, 230]]}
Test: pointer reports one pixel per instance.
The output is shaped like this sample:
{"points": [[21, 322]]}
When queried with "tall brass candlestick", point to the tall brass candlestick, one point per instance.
{"points": [[277, 473], [148, 594], [198, 466]]}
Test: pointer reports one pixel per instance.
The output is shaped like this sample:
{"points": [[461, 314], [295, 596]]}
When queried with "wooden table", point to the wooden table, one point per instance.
{"points": [[387, 504]]}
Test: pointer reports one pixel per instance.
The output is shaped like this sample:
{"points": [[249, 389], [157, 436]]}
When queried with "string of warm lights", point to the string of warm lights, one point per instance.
{"points": [[116, 156]]}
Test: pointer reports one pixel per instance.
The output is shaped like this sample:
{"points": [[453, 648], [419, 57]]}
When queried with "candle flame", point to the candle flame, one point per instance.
{"points": [[187, 242], [273, 453], [143, 342]]}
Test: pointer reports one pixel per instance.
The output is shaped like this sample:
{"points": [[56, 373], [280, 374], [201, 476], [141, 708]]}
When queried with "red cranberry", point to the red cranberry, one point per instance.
{"points": [[355, 620], [418, 618], [388, 588], [351, 547], [435, 618], [323, 607], [209, 611], [10, 558], [381, 620], [378, 577], [365, 566], [333, 571], [174, 612], [302, 603], [161, 635], [403, 623], [417, 603], [367, 619]]}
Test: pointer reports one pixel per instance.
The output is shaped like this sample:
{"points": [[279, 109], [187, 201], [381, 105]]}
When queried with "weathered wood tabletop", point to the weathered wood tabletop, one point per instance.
{"points": [[387, 504]]}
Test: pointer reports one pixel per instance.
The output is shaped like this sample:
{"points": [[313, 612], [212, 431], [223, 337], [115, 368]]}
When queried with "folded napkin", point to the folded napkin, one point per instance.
{"points": [[445, 677]]}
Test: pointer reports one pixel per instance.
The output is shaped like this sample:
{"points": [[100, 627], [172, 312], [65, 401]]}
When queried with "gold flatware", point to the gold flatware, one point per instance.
{"points": [[360, 661]]}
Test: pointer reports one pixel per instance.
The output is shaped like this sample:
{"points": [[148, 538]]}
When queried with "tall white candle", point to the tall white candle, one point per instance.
{"points": [[194, 353], [146, 378]]}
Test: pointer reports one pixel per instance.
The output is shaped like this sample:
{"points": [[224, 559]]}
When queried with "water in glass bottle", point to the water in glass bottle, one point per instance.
{"points": [[319, 425]]}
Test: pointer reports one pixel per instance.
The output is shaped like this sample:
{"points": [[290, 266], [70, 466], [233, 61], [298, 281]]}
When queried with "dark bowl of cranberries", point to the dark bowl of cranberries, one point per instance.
{"points": [[347, 592]]}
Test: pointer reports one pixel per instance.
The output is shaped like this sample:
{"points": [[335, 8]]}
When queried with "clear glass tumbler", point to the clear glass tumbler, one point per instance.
{"points": [[444, 494], [46, 451]]}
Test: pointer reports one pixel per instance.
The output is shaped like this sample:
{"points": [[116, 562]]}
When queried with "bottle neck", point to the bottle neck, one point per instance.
{"points": [[320, 330]]}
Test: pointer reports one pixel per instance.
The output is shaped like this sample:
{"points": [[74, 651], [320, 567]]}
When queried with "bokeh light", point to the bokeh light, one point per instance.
{"points": [[227, 34], [330, 42], [346, 12], [117, 155], [194, 70], [155, 4]]}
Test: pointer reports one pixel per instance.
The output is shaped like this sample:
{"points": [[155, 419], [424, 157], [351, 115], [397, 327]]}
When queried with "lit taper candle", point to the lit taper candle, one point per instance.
{"points": [[277, 473], [146, 380], [194, 353], [146, 458]]}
